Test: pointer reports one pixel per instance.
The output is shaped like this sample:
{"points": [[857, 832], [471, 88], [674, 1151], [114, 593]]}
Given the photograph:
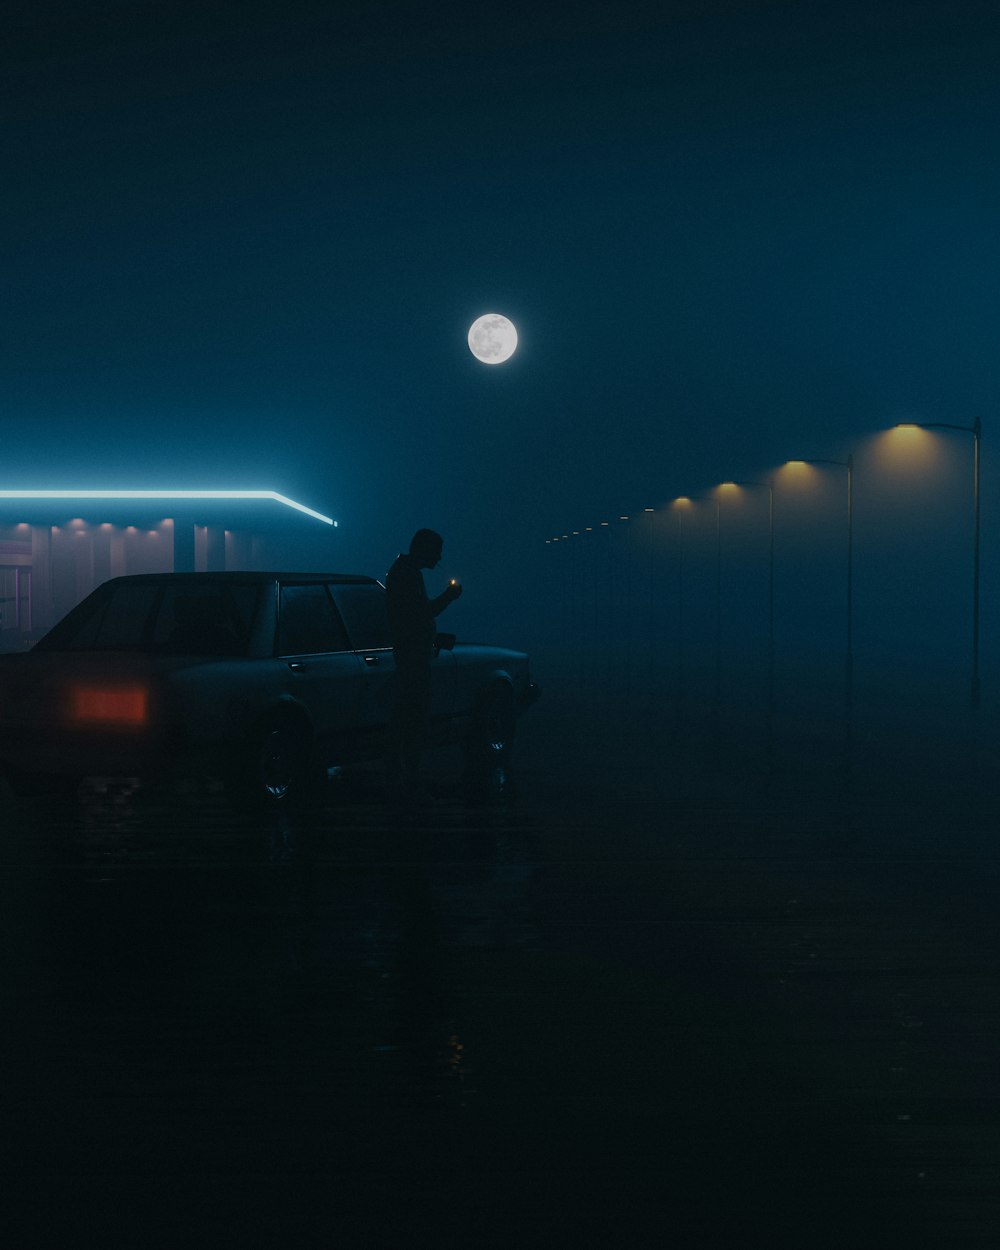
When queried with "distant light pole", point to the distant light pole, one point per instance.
{"points": [[609, 608], [556, 581], [648, 513], [976, 430], [847, 464], [718, 611], [769, 487], [567, 629], [651, 649], [590, 607], [574, 637], [687, 501], [628, 618], [680, 504]]}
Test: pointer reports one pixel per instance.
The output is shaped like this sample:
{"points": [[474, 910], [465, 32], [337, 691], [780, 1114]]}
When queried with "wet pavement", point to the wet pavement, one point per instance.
{"points": [[632, 1007]]}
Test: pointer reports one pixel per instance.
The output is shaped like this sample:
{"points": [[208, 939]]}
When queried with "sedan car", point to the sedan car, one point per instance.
{"points": [[264, 679]]}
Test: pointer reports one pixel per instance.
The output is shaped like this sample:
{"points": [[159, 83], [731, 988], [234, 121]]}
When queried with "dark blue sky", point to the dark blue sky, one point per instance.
{"points": [[242, 245]]}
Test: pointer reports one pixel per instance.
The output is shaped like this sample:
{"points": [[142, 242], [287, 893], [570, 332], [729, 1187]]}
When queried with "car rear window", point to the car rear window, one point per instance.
{"points": [[181, 619], [112, 619]]}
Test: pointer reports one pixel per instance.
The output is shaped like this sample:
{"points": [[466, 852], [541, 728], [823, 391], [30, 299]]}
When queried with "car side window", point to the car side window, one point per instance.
{"points": [[365, 613], [206, 618], [308, 623]]}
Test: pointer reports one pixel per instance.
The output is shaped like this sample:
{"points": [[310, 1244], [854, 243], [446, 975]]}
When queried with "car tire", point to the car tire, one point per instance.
{"points": [[272, 766], [489, 748]]}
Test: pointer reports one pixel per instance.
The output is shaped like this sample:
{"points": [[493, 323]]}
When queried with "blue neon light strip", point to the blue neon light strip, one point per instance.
{"points": [[167, 494]]}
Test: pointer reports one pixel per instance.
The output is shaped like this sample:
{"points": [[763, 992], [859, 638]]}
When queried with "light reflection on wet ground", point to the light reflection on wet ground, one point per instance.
{"points": [[609, 1012]]}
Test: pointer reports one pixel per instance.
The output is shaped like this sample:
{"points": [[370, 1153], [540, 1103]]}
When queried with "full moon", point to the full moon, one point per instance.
{"points": [[492, 339]]}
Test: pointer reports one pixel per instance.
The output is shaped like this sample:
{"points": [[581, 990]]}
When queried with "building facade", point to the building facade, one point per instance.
{"points": [[57, 546]]}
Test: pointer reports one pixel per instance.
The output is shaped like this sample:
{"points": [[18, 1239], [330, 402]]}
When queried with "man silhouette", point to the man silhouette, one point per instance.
{"points": [[412, 630]]}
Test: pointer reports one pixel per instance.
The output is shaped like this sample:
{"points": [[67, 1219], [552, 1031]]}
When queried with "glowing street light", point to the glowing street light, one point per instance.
{"points": [[976, 430]]}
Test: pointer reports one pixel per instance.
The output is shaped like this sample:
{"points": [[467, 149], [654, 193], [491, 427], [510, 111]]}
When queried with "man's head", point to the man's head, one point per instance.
{"points": [[425, 548]]}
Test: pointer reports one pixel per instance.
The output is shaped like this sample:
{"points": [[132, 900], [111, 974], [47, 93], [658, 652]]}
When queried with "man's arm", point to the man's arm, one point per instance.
{"points": [[450, 593]]}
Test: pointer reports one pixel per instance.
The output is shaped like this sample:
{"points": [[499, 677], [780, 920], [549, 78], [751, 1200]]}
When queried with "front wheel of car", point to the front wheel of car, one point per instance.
{"points": [[489, 749], [272, 766]]}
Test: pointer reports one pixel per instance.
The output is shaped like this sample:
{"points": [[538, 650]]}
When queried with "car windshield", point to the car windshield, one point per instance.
{"points": [[212, 618]]}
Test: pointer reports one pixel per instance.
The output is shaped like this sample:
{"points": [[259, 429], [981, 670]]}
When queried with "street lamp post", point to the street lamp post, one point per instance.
{"points": [[652, 684], [847, 464], [574, 637], [976, 430], [650, 610], [680, 504], [713, 499], [588, 606], [718, 612], [627, 616], [608, 614], [769, 487]]}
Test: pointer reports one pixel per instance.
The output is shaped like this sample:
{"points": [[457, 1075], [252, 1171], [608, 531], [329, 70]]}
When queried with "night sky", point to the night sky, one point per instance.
{"points": [[242, 246]]}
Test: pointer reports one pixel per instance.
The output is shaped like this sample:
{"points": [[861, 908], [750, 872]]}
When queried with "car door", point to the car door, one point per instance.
{"points": [[324, 673], [363, 607]]}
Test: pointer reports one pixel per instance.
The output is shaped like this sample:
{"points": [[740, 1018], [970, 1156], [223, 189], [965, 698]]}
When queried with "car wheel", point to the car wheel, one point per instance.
{"points": [[489, 750], [272, 766]]}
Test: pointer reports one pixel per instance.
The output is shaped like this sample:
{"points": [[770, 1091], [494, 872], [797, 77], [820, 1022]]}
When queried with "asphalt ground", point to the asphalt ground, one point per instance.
{"points": [[692, 988]]}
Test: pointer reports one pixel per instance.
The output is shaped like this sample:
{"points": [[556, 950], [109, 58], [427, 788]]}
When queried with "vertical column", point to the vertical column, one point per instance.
{"points": [[82, 555], [102, 554], [237, 549], [200, 543], [117, 552], [43, 612], [183, 546], [215, 549], [26, 622]]}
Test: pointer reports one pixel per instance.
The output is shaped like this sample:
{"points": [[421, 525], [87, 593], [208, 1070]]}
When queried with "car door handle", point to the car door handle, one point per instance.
{"points": [[373, 661], [296, 666]]}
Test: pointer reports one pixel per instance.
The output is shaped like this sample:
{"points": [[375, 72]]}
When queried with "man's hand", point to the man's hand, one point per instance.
{"points": [[453, 591]]}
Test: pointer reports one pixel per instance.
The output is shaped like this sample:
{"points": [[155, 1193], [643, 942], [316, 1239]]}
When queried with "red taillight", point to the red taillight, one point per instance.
{"points": [[109, 705]]}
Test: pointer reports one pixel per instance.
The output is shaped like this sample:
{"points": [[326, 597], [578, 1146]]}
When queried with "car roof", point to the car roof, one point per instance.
{"points": [[238, 575]]}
